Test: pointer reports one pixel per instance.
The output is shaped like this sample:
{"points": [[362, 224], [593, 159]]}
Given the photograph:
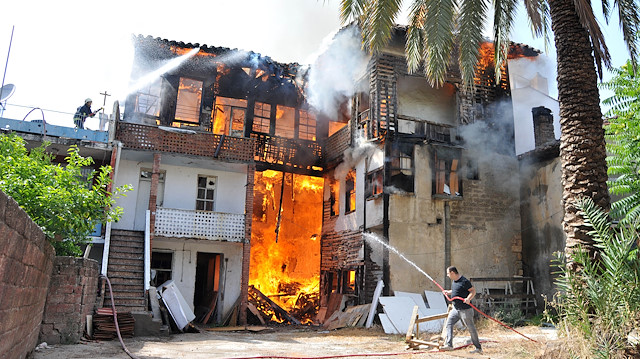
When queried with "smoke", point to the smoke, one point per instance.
{"points": [[352, 156], [336, 70], [489, 142]]}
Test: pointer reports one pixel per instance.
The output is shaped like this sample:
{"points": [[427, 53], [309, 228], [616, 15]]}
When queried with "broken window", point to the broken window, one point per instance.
{"points": [[334, 190], [374, 183], [189, 99], [307, 126], [285, 121], [228, 116], [206, 193], [350, 192], [261, 117], [161, 264], [148, 99], [401, 169], [446, 180]]}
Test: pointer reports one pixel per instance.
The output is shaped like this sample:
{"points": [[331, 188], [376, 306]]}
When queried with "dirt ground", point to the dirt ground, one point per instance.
{"points": [[306, 342]]}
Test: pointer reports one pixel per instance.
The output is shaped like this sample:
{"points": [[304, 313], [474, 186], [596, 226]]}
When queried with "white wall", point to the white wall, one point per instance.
{"points": [[183, 271], [529, 80], [181, 189], [417, 99]]}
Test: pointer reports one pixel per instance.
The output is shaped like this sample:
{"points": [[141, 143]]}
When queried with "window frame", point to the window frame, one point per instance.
{"points": [[184, 108], [204, 200], [350, 192]]}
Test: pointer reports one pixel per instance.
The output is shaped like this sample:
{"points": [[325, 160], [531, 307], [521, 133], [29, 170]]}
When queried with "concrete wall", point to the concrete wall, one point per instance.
{"points": [[185, 253], [180, 189], [484, 224], [72, 296], [541, 212], [417, 99], [26, 259]]}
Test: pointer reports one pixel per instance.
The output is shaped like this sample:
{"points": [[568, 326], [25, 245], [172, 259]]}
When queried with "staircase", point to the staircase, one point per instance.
{"points": [[126, 271]]}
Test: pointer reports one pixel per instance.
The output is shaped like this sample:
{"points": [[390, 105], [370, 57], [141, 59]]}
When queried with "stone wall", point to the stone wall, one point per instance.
{"points": [[26, 259], [72, 296]]}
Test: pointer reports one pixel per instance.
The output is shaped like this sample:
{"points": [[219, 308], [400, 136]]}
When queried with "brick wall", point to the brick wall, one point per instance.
{"points": [[72, 295], [26, 259]]}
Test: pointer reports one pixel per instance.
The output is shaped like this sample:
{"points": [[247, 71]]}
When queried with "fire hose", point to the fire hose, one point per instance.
{"points": [[115, 319]]}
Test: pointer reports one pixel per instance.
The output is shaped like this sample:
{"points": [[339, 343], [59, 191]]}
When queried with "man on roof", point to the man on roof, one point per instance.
{"points": [[83, 112]]}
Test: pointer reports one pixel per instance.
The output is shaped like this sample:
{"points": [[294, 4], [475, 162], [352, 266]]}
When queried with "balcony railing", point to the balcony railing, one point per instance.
{"points": [[182, 223]]}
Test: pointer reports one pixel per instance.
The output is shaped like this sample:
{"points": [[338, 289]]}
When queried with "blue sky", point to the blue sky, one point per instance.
{"points": [[62, 54]]}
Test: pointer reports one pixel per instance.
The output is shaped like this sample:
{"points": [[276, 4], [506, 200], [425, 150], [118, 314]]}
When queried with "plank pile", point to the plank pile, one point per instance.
{"points": [[105, 328]]}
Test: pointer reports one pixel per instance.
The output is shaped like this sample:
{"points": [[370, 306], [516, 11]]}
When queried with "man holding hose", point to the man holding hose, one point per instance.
{"points": [[461, 287]]}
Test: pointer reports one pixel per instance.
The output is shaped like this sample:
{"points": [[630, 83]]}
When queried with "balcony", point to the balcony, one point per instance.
{"points": [[167, 139], [216, 226]]}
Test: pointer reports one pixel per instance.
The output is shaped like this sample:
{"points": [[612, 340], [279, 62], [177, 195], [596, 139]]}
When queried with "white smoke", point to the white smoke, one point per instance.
{"points": [[336, 71], [352, 156]]}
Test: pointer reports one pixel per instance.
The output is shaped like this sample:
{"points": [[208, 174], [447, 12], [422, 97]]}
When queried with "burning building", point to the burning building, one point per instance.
{"points": [[249, 192]]}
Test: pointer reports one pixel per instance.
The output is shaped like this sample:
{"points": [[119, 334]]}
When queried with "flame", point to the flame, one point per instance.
{"points": [[183, 50], [289, 269]]}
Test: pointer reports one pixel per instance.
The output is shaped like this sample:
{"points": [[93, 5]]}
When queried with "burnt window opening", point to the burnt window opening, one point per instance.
{"points": [[148, 99], [307, 126], [471, 170], [334, 202], [401, 169], [374, 182], [363, 106], [161, 265], [189, 101], [229, 116], [446, 179], [261, 117], [350, 192], [285, 121], [206, 193]]}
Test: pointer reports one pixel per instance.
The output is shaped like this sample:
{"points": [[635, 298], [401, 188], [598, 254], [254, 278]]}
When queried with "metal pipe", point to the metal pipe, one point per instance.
{"points": [[107, 231], [147, 250], [447, 242]]}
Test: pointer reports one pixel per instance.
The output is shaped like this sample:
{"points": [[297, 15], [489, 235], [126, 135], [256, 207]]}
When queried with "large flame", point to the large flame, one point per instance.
{"points": [[288, 269]]}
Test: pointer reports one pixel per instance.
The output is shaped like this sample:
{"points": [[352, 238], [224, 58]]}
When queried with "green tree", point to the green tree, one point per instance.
{"points": [[623, 143], [436, 25], [58, 198]]}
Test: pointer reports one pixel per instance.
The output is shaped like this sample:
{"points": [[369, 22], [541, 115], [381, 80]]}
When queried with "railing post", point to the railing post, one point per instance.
{"points": [[105, 250], [147, 250]]}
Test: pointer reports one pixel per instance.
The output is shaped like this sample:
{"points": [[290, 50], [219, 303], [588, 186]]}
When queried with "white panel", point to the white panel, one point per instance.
{"points": [[399, 310], [417, 297], [387, 325], [178, 307]]}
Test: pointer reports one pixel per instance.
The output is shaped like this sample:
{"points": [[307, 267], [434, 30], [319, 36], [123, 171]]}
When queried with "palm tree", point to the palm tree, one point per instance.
{"points": [[435, 26]]}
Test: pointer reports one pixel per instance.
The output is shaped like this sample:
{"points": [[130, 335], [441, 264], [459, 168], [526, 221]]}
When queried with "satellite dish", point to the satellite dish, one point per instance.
{"points": [[6, 91]]}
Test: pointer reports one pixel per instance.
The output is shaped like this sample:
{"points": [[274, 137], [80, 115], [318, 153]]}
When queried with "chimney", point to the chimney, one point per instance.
{"points": [[542, 126]]}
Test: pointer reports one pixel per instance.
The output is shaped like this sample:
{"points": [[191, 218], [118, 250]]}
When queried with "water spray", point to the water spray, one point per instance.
{"points": [[152, 76], [370, 236]]}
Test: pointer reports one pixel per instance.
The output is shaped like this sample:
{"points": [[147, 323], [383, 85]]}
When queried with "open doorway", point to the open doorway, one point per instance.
{"points": [[208, 294]]}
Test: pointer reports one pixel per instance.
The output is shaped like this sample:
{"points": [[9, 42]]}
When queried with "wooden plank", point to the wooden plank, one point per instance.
{"points": [[275, 307], [374, 303], [212, 307], [412, 322], [424, 342], [432, 317], [252, 308]]}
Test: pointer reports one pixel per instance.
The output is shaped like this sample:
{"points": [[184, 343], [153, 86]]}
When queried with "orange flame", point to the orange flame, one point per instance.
{"points": [[289, 268]]}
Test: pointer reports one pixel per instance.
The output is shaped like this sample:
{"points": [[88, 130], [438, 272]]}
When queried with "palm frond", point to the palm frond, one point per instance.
{"points": [[377, 26], [439, 28], [589, 22], [416, 36], [351, 10], [629, 20], [595, 218], [504, 15], [471, 22]]}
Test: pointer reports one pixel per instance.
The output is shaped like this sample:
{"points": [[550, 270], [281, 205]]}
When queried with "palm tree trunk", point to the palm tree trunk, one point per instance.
{"points": [[582, 146]]}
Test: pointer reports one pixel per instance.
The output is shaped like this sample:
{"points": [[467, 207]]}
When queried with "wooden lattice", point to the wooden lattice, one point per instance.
{"points": [[182, 223]]}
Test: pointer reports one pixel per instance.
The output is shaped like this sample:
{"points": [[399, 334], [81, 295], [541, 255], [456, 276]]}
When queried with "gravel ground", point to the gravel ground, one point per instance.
{"points": [[303, 342]]}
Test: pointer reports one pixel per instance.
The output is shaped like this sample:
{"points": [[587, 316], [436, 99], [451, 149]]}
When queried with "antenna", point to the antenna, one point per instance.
{"points": [[5, 92]]}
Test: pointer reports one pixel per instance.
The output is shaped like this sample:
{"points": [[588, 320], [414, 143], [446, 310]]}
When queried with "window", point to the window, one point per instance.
{"points": [[188, 103], [446, 179], [261, 117], [228, 116], [285, 121], [401, 170], [145, 184], [350, 192], [148, 99], [206, 193], [334, 202], [374, 183], [307, 126], [161, 264]]}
